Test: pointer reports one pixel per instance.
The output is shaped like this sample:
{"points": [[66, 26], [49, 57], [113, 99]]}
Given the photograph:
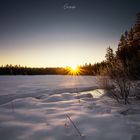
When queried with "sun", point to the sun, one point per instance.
{"points": [[73, 70]]}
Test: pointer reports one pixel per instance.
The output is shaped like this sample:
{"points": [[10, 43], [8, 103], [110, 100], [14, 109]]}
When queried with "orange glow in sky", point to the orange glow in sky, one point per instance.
{"points": [[52, 54]]}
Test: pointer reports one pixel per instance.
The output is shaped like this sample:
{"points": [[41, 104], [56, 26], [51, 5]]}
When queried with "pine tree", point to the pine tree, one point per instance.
{"points": [[128, 51], [109, 55], [137, 24]]}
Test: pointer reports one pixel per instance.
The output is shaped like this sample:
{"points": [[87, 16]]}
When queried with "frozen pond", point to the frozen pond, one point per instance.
{"points": [[44, 83], [12, 87]]}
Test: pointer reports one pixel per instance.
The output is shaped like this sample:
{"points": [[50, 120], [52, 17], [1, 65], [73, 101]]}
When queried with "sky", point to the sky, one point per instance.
{"points": [[59, 33]]}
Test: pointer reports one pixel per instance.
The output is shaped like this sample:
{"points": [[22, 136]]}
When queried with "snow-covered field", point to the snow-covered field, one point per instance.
{"points": [[45, 108]]}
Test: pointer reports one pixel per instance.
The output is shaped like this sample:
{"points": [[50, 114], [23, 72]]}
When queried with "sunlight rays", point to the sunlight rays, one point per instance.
{"points": [[73, 70]]}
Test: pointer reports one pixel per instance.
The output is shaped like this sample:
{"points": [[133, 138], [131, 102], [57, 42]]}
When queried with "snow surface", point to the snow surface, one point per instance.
{"points": [[12, 87], [41, 114], [43, 84]]}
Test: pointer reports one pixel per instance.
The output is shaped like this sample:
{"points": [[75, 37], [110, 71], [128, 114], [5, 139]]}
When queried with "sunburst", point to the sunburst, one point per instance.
{"points": [[73, 70]]}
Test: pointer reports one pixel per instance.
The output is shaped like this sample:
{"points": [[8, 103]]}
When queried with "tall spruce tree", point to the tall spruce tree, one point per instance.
{"points": [[128, 51]]}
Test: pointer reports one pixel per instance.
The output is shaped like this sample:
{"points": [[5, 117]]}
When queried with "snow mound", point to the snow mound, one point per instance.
{"points": [[44, 117], [54, 98]]}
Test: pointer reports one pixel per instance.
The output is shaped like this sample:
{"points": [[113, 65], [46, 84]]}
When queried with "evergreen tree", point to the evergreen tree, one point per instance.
{"points": [[128, 51], [109, 55]]}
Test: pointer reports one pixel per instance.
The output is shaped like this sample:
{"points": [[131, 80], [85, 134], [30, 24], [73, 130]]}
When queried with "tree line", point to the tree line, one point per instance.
{"points": [[87, 69], [126, 60], [123, 66], [21, 70]]}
